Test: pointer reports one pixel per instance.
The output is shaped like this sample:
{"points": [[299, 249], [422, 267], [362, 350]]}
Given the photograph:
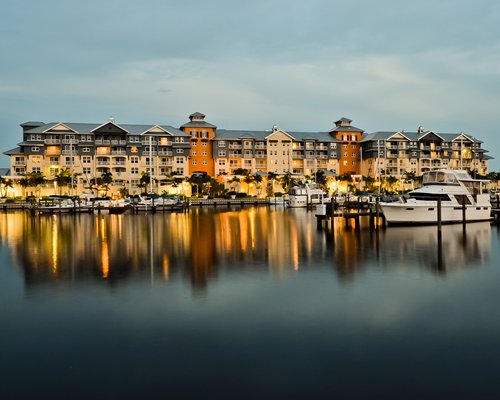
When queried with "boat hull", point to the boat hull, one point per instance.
{"points": [[427, 214]]}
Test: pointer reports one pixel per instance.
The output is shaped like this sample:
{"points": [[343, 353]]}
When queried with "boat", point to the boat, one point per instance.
{"points": [[156, 203], [306, 195], [278, 201], [461, 198]]}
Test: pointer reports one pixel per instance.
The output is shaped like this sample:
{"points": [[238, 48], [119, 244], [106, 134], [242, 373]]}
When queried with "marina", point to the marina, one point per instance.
{"points": [[143, 304]]}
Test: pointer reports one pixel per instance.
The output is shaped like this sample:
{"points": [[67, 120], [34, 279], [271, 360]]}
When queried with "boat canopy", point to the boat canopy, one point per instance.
{"points": [[441, 178]]}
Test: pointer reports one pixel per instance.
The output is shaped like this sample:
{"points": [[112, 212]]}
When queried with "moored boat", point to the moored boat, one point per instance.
{"points": [[306, 195], [462, 199]]}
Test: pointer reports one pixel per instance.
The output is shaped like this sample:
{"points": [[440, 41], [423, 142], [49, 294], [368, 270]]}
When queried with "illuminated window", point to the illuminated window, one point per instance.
{"points": [[133, 149], [103, 150]]}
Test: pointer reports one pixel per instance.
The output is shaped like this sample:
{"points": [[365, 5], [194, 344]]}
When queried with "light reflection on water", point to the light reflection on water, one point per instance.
{"points": [[253, 303], [201, 244]]}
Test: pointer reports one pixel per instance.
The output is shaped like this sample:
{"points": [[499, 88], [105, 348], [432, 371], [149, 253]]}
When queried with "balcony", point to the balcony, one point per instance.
{"points": [[52, 141]]}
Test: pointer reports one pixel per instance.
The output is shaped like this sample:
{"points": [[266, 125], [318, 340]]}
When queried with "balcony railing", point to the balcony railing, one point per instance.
{"points": [[52, 141]]}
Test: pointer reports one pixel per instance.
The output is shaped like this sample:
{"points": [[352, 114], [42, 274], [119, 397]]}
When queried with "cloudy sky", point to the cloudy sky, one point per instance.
{"points": [[386, 64]]}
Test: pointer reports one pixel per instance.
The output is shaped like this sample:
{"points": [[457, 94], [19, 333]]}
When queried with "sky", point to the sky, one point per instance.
{"points": [[301, 65]]}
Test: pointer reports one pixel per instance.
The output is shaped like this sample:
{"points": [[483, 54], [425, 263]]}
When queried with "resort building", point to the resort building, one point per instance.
{"points": [[278, 151], [395, 153], [128, 151], [89, 150]]}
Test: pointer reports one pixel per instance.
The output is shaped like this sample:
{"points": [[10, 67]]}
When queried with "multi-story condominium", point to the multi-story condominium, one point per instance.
{"points": [[202, 135], [88, 150], [127, 151], [394, 153], [301, 153]]}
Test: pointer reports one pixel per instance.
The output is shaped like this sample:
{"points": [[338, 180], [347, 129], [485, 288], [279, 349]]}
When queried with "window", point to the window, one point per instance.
{"points": [[354, 154], [204, 153], [35, 148], [35, 169], [179, 160], [222, 162], [179, 151], [53, 171], [134, 170], [134, 160], [222, 143], [36, 159], [204, 162], [204, 144], [193, 153], [87, 170], [54, 160], [222, 153], [195, 162], [180, 171], [69, 160], [86, 159], [345, 154], [133, 149], [86, 150]]}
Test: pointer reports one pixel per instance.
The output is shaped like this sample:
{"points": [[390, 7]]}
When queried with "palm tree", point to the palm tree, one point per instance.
{"points": [[389, 182], [144, 181], [321, 180], [369, 182], [248, 179], [24, 183], [36, 180], [5, 184], [347, 178], [494, 177], [63, 178], [257, 178], [287, 181], [410, 177], [271, 177], [233, 182]]}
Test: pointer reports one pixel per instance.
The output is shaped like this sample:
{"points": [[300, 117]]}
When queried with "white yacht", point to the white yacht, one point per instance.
{"points": [[306, 195], [455, 188]]}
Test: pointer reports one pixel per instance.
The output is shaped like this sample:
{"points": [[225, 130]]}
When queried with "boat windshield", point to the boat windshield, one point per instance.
{"points": [[439, 178]]}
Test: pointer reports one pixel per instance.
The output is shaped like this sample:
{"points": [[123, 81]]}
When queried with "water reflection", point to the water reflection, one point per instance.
{"points": [[200, 245]]}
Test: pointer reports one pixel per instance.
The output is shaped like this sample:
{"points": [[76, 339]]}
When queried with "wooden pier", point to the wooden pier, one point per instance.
{"points": [[350, 211]]}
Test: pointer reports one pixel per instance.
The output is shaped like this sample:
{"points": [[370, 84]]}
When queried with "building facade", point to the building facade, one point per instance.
{"points": [[127, 151], [398, 152]]}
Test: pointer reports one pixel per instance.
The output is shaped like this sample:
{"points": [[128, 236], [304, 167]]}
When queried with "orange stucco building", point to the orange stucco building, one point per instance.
{"points": [[201, 158]]}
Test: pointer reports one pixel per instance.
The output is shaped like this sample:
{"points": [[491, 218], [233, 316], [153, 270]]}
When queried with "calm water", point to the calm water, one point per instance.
{"points": [[244, 304]]}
